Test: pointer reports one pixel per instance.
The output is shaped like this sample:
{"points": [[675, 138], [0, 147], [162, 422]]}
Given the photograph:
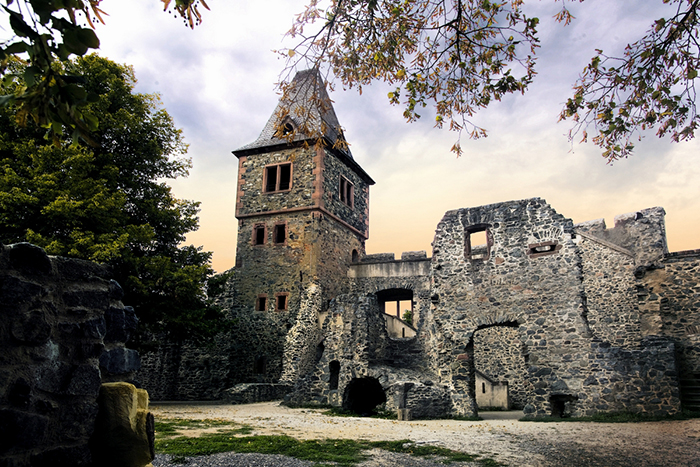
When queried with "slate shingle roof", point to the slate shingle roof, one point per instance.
{"points": [[306, 105]]}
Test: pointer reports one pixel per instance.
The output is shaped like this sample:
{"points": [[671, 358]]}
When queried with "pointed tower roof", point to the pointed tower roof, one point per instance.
{"points": [[306, 110]]}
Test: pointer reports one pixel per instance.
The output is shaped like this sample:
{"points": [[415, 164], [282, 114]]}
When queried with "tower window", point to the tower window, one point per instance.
{"points": [[259, 234], [261, 303], [347, 192], [282, 301], [279, 235], [277, 178]]}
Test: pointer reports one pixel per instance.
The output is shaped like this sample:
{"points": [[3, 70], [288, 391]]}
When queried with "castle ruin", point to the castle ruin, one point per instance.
{"points": [[516, 307]]}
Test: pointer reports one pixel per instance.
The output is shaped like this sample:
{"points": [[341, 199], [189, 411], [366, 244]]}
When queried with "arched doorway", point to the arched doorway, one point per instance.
{"points": [[500, 362], [363, 395]]}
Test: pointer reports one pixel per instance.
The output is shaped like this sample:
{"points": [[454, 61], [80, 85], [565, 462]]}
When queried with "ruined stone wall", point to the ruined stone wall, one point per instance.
{"points": [[641, 380], [611, 294], [498, 354], [513, 284], [62, 319], [670, 295]]}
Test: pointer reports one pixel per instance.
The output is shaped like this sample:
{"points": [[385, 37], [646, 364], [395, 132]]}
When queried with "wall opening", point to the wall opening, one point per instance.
{"points": [[396, 302], [561, 404], [363, 395], [499, 361], [279, 235], [277, 178], [261, 303], [478, 242], [260, 365], [259, 234], [334, 368], [355, 256]]}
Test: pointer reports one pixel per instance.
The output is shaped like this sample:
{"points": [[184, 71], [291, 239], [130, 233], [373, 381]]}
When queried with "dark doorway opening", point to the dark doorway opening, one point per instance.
{"points": [[363, 395], [561, 405]]}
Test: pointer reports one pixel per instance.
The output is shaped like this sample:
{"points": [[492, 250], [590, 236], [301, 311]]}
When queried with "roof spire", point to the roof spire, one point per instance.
{"points": [[304, 112]]}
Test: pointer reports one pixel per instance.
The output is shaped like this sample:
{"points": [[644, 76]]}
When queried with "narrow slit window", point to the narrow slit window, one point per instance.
{"points": [[280, 233], [277, 178], [261, 303], [259, 232], [347, 192]]}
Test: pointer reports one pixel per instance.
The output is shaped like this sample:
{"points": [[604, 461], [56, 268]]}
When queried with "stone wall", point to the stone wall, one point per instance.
{"points": [[611, 293], [62, 333]]}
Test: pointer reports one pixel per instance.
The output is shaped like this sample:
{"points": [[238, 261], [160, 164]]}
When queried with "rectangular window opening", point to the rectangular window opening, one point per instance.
{"points": [[259, 234], [261, 303], [477, 244], [280, 233], [277, 178], [285, 177], [282, 302]]}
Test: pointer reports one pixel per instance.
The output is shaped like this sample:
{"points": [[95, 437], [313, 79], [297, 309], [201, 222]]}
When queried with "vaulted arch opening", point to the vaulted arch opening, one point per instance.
{"points": [[363, 395]]}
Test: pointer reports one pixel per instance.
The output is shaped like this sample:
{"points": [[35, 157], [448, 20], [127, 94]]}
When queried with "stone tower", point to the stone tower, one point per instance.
{"points": [[302, 203]]}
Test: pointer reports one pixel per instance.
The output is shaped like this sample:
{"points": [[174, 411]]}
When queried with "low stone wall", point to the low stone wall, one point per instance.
{"points": [[61, 319]]}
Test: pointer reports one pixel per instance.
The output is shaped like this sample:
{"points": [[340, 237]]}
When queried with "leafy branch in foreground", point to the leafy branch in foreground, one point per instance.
{"points": [[459, 56], [651, 86]]}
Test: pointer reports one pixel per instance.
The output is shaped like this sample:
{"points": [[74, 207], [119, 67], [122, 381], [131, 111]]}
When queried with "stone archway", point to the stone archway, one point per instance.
{"points": [[363, 395], [499, 362]]}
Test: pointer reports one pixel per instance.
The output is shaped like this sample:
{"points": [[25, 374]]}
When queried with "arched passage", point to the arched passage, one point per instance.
{"points": [[363, 395], [499, 362]]}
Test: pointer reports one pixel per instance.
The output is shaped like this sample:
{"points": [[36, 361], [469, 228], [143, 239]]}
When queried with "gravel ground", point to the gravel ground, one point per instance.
{"points": [[500, 437]]}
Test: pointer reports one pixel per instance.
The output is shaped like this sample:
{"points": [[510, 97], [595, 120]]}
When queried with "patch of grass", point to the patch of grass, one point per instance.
{"points": [[618, 417], [339, 452], [170, 427]]}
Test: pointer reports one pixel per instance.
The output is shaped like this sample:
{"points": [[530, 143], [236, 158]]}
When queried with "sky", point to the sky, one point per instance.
{"points": [[218, 83]]}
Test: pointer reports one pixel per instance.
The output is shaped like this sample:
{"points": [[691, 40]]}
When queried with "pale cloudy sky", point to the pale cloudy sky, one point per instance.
{"points": [[218, 83]]}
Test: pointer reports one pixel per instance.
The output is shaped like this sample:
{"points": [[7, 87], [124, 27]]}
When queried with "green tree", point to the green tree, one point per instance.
{"points": [[108, 203], [462, 55], [48, 32]]}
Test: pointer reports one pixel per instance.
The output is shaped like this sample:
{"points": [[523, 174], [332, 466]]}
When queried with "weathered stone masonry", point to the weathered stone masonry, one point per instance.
{"points": [[62, 334]]}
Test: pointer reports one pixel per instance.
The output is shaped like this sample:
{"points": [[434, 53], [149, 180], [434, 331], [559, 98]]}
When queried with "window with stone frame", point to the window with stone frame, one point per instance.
{"points": [[347, 192], [282, 301], [478, 243], [261, 303], [277, 177], [536, 250], [259, 234], [279, 234]]}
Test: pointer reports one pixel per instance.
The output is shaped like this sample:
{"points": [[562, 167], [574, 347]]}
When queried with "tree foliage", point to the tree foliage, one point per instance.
{"points": [[47, 32], [460, 56], [108, 203], [651, 86]]}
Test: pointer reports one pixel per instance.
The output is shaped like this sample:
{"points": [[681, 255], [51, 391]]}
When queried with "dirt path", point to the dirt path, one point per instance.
{"points": [[501, 437]]}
